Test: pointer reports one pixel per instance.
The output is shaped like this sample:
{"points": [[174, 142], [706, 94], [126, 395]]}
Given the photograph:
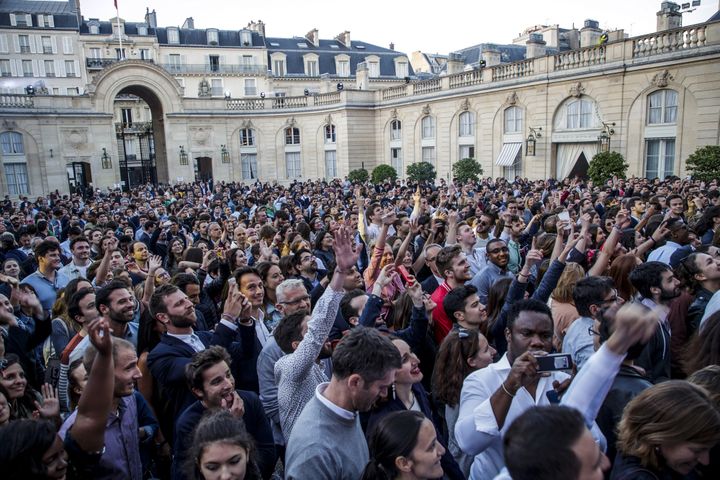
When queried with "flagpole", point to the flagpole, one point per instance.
{"points": [[117, 16]]}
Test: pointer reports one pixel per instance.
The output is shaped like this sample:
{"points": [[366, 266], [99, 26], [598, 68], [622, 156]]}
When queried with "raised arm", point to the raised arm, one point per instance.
{"points": [[104, 267], [601, 264]]}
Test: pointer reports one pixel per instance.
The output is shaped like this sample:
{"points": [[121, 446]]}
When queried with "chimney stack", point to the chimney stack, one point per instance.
{"points": [[491, 57], [258, 27], [455, 63], [344, 38], [392, 45], [535, 46], [189, 23], [590, 33], [313, 37], [669, 16], [151, 18]]}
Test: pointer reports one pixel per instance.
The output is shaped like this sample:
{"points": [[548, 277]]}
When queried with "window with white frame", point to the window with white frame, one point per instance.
{"points": [[513, 120], [95, 29], [311, 67], [248, 162], [127, 117], [212, 37], [247, 137], [174, 61], [12, 143], [662, 107], [343, 67], [428, 128], [467, 151], [395, 130], [330, 163], [5, 68], [279, 67], [396, 159], [246, 37], [27, 68], [428, 155], [579, 114], [292, 136], [373, 69], [247, 60], [145, 54], [514, 170], [46, 44], [401, 69], [293, 167], [467, 124], [659, 157], [24, 43], [330, 133], [73, 91], [216, 87], [16, 176], [70, 68], [173, 35], [21, 20], [250, 87], [142, 30], [13, 152], [49, 68]]}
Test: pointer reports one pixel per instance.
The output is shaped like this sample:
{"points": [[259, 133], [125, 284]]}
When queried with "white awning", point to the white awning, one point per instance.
{"points": [[507, 154]]}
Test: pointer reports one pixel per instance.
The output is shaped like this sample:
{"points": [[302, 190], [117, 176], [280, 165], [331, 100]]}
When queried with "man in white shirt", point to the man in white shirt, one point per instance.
{"points": [[679, 236], [494, 396], [476, 257], [77, 268]]}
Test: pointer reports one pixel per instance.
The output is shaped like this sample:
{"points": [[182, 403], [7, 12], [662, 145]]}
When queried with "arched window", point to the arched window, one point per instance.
{"points": [[662, 107], [513, 120], [467, 124], [395, 129], [579, 114], [428, 127], [14, 163], [292, 136], [330, 133]]}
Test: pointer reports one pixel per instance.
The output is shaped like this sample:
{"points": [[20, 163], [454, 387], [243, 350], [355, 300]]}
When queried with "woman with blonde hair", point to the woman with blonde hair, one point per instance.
{"points": [[666, 432], [561, 302]]}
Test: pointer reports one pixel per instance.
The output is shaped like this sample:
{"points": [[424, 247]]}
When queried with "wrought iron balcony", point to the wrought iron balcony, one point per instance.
{"points": [[211, 68]]}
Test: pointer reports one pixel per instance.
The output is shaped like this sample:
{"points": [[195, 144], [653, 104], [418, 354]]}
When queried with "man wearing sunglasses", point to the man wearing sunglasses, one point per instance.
{"points": [[498, 257]]}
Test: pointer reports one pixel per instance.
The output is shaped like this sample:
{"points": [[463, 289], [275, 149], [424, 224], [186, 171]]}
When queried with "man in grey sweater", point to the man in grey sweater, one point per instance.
{"points": [[327, 442]]}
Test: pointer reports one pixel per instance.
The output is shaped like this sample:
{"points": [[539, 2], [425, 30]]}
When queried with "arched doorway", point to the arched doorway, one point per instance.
{"points": [[203, 169], [573, 159], [581, 167]]}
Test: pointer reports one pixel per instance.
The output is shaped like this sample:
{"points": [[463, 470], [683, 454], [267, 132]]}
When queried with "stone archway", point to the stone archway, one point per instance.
{"points": [[163, 95]]}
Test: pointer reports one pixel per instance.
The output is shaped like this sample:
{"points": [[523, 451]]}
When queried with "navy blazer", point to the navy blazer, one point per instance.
{"points": [[244, 348], [167, 365], [430, 284]]}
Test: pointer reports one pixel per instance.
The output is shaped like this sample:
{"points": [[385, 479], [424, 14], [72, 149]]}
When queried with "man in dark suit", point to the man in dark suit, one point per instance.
{"points": [[431, 282], [168, 359], [208, 375]]}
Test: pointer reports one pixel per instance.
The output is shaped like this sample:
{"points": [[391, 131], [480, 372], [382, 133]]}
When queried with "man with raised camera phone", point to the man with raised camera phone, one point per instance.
{"points": [[494, 396]]}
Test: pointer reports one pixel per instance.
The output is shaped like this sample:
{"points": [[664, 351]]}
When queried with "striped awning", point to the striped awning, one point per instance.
{"points": [[507, 154]]}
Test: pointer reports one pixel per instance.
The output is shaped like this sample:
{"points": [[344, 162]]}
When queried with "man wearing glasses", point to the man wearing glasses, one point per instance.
{"points": [[592, 296], [498, 257]]}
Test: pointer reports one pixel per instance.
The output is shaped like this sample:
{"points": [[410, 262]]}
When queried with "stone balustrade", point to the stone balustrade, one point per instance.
{"points": [[584, 57], [465, 79], [669, 41], [16, 101]]}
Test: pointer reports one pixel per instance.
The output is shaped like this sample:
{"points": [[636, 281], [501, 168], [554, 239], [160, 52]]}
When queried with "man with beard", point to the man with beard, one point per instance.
{"points": [[658, 286], [208, 376], [116, 305], [455, 269], [304, 339], [304, 262], [498, 257], [171, 306], [592, 295]]}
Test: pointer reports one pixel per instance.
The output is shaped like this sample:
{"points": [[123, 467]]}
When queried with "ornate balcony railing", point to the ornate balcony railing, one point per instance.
{"points": [[585, 57], [507, 71], [465, 79], [669, 41], [16, 101]]}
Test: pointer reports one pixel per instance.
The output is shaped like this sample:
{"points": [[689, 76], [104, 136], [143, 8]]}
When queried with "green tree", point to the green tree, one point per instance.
{"points": [[383, 172], [421, 172], [605, 165], [704, 163], [467, 169], [358, 176]]}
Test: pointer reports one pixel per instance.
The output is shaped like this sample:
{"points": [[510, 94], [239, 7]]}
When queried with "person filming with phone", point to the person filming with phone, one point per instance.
{"points": [[494, 396]]}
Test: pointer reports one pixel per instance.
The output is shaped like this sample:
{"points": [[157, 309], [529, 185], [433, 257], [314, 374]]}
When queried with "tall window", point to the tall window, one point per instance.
{"points": [[13, 152], [513, 120], [27, 68], [659, 157], [329, 133], [662, 107], [127, 118], [49, 68], [579, 114], [217, 87], [428, 127], [46, 45], [173, 35], [247, 137], [279, 68], [5, 68], [212, 37], [374, 69], [292, 136], [250, 87], [467, 124], [249, 165], [396, 159], [175, 61], [428, 155], [214, 63], [293, 168], [311, 68], [401, 69], [343, 68], [24, 43], [330, 164], [70, 68], [17, 178], [395, 130], [514, 170]]}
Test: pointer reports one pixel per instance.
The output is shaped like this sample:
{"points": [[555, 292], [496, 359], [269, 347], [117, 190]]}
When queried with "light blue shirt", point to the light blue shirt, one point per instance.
{"points": [[486, 278], [578, 342]]}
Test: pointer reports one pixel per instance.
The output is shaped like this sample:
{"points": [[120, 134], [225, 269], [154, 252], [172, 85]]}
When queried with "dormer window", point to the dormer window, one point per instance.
{"points": [[212, 37], [142, 30], [246, 38], [94, 29], [173, 35]]}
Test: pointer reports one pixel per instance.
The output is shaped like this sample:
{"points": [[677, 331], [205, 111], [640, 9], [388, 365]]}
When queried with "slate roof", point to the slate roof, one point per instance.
{"points": [[24, 6], [327, 51]]}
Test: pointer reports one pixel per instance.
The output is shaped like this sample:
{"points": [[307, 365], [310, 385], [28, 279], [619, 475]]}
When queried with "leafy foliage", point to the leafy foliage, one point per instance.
{"points": [[358, 176], [467, 169], [383, 172], [605, 165], [704, 163], [421, 172]]}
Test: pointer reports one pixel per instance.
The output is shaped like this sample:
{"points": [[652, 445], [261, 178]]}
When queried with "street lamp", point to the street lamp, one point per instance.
{"points": [[604, 137], [224, 154], [531, 141], [183, 156], [105, 160]]}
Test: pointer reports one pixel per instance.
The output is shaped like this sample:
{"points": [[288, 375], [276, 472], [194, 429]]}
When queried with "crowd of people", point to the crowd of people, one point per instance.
{"points": [[494, 329]]}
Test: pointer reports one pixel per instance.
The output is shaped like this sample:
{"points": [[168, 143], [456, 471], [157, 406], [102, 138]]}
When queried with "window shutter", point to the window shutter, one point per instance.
{"points": [[4, 47], [41, 20], [53, 43], [13, 69], [60, 68], [40, 68], [28, 18], [51, 21], [31, 41], [35, 68], [67, 45], [13, 21], [16, 41], [76, 65]]}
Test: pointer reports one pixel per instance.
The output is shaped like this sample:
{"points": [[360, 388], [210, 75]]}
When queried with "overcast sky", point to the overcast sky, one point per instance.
{"points": [[437, 26]]}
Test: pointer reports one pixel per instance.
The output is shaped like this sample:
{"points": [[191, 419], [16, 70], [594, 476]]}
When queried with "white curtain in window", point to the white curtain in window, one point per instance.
{"points": [[568, 154]]}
